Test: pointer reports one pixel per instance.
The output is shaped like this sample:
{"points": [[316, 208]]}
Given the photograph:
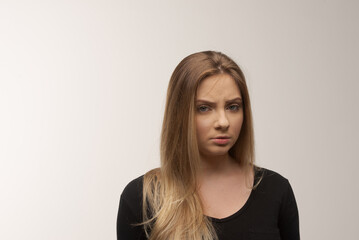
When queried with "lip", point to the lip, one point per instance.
{"points": [[221, 140], [221, 137]]}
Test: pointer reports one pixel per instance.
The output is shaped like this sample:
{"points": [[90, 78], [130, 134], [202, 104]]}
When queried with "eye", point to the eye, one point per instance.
{"points": [[234, 107], [202, 108]]}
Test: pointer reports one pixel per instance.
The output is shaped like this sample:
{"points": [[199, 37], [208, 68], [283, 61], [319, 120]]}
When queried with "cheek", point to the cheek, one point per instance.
{"points": [[203, 127], [237, 124]]}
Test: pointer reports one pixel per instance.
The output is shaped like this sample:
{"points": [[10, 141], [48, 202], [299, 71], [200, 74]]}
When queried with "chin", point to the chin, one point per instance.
{"points": [[212, 152]]}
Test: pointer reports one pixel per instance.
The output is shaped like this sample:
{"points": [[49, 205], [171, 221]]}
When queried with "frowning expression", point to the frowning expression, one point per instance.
{"points": [[219, 115]]}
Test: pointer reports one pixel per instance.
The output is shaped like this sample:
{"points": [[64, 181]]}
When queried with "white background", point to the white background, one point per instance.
{"points": [[82, 94]]}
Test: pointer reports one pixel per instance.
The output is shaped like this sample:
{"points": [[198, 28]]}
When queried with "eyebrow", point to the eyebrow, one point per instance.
{"points": [[209, 102]]}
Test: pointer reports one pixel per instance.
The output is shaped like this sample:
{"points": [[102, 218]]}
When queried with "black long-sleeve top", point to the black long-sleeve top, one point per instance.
{"points": [[270, 212]]}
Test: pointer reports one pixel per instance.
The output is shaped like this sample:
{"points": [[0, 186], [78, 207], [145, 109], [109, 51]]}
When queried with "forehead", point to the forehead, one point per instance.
{"points": [[218, 86]]}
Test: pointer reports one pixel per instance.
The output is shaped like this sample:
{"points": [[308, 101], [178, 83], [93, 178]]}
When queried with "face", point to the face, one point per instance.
{"points": [[219, 115]]}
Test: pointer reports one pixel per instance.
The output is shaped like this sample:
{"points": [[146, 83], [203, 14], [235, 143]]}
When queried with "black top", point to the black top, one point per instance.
{"points": [[270, 212]]}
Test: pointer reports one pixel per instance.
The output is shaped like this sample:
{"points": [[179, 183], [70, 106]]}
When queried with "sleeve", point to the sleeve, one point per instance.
{"points": [[125, 220], [288, 216]]}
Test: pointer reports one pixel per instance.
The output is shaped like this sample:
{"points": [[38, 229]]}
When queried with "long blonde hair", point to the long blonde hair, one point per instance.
{"points": [[172, 208]]}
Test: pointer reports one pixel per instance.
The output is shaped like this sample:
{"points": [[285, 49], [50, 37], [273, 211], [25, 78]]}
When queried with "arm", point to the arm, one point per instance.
{"points": [[288, 216], [125, 219]]}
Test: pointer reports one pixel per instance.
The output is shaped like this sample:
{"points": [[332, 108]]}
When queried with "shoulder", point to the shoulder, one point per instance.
{"points": [[271, 181], [274, 197], [130, 211], [133, 190], [271, 175]]}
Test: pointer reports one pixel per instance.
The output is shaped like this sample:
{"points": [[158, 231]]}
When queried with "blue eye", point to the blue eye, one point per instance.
{"points": [[234, 107], [203, 109]]}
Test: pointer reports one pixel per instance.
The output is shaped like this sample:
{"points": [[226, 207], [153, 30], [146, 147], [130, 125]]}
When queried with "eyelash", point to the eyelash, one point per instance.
{"points": [[235, 110]]}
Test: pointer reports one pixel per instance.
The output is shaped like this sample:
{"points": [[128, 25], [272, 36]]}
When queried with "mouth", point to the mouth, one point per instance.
{"points": [[221, 140], [221, 137]]}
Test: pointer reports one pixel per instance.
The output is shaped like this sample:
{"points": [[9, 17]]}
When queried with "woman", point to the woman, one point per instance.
{"points": [[208, 186]]}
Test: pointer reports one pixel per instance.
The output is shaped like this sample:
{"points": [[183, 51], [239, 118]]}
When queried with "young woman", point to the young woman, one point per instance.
{"points": [[208, 186]]}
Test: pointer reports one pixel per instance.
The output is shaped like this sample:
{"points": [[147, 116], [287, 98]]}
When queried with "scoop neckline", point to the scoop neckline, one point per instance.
{"points": [[243, 208]]}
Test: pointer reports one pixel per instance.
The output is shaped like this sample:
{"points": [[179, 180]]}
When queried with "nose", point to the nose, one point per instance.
{"points": [[222, 121]]}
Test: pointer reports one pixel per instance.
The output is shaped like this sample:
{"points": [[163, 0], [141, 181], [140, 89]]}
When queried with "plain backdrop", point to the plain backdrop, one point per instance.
{"points": [[82, 95]]}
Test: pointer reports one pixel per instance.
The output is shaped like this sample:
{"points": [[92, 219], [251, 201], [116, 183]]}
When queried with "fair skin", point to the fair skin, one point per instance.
{"points": [[219, 114]]}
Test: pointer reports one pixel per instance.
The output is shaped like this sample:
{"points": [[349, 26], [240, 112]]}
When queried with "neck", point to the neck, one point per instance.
{"points": [[223, 167], [217, 164]]}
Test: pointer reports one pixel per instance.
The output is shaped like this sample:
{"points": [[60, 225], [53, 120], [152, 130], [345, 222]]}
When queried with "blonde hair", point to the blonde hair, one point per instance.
{"points": [[172, 208]]}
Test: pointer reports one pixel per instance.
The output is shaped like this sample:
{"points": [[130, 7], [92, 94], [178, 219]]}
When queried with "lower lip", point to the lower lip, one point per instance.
{"points": [[221, 140]]}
